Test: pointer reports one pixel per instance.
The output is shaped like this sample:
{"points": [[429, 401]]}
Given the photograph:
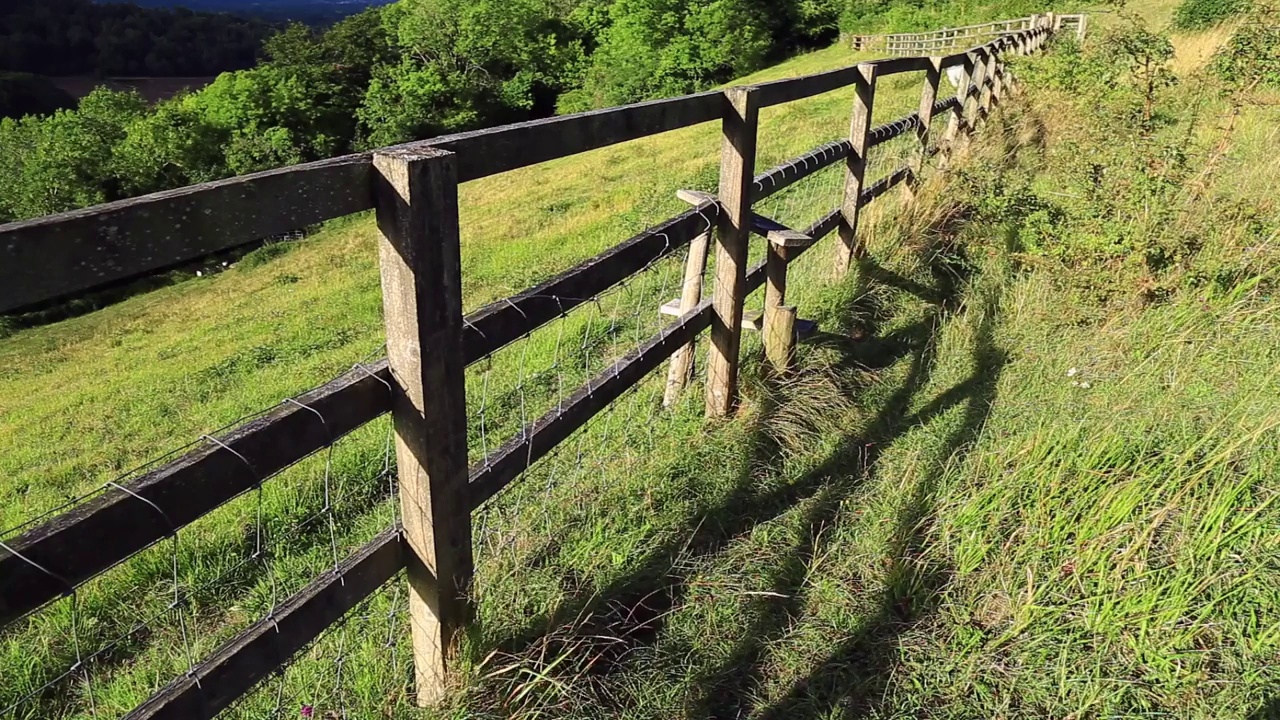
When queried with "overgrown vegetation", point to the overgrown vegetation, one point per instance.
{"points": [[1029, 468], [1203, 14], [1252, 55]]}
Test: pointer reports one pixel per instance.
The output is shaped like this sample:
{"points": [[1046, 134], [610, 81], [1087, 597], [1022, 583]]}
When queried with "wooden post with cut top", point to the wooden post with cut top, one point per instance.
{"points": [[779, 318], [416, 196], [737, 166], [928, 96], [855, 167]]}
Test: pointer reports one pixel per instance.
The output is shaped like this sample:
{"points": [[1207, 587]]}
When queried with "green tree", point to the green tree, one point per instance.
{"points": [[66, 161], [657, 48], [470, 62], [170, 147]]}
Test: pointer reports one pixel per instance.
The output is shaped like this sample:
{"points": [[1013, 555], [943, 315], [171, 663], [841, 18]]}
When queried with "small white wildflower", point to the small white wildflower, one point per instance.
{"points": [[224, 263], [199, 273], [1084, 385], [1073, 372], [1075, 384]]}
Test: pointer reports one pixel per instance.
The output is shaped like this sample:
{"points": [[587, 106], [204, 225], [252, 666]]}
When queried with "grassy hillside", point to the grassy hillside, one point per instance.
{"points": [[1028, 470]]}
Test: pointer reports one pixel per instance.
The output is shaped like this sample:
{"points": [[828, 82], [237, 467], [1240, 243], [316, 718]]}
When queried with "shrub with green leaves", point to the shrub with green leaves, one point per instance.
{"points": [[1201, 14], [1252, 56]]}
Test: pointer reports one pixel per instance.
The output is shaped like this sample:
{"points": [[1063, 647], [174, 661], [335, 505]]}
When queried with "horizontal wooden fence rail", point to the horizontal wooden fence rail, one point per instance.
{"points": [[57, 556]]}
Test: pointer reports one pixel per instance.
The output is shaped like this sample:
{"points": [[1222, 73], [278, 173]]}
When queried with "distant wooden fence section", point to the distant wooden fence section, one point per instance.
{"points": [[414, 190], [952, 39]]}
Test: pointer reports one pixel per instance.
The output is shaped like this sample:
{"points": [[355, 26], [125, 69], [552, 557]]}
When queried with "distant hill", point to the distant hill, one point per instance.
{"points": [[80, 37], [312, 12]]}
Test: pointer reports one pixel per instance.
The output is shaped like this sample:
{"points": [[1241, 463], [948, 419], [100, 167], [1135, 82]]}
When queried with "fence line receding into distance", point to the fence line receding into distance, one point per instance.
{"points": [[431, 344], [949, 40]]}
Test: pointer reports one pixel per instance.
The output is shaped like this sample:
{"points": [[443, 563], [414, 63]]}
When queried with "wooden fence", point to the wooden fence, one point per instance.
{"points": [[414, 190], [952, 39]]}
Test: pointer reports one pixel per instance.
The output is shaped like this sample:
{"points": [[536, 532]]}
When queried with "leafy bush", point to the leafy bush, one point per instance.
{"points": [[1253, 53], [1201, 14]]}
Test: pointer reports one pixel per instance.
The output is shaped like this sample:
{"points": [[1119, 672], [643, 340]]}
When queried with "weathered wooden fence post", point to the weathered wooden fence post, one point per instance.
{"points": [[998, 73], [416, 195], [972, 104], [989, 80], [690, 295], [856, 166], [958, 124], [737, 166], [928, 96]]}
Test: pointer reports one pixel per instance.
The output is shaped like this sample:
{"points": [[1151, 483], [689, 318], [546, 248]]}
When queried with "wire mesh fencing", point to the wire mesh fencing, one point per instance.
{"points": [[360, 667], [533, 378], [110, 643]]}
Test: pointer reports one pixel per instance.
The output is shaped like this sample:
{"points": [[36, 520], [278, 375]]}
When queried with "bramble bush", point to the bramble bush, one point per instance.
{"points": [[1124, 217], [1202, 14]]}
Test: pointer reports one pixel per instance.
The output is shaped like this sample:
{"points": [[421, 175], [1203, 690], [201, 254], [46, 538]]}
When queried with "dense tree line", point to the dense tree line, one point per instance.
{"points": [[80, 37], [411, 70]]}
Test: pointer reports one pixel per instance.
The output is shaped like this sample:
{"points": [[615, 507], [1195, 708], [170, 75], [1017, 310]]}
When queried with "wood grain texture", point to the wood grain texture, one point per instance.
{"points": [[856, 166], [957, 131], [62, 255], [59, 256], [928, 97], [788, 90], [681, 370], [202, 480], [780, 338], [482, 153], [421, 266], [737, 163]]}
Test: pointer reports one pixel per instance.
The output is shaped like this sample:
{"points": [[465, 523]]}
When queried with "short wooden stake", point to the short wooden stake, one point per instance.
{"points": [[416, 194], [690, 295], [928, 96], [780, 338], [778, 345], [855, 167], [737, 164]]}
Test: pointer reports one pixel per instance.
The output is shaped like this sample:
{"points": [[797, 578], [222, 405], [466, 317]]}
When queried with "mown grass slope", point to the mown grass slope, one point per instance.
{"points": [[1028, 469]]}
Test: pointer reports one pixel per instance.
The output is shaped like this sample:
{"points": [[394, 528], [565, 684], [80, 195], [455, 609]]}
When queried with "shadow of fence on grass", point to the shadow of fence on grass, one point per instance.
{"points": [[633, 610]]}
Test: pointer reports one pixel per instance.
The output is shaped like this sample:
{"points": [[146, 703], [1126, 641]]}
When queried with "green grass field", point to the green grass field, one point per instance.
{"points": [[995, 489]]}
